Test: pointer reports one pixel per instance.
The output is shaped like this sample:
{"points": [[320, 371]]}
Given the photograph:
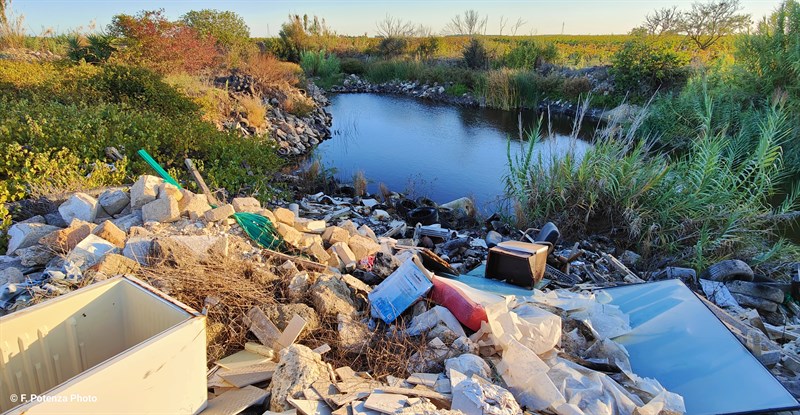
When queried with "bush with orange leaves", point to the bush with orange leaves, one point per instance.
{"points": [[150, 39]]}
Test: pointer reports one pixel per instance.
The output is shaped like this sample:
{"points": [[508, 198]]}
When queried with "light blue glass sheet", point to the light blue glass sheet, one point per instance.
{"points": [[677, 340]]}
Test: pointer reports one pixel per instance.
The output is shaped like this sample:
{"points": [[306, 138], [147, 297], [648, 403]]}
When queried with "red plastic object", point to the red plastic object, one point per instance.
{"points": [[466, 310]]}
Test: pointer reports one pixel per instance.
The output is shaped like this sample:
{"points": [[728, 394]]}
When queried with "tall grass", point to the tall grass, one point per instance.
{"points": [[12, 27], [713, 202], [324, 66]]}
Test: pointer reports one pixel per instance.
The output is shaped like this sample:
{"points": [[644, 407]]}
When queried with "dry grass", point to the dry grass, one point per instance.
{"points": [[238, 285], [269, 72], [254, 109], [12, 27], [360, 183], [385, 192], [215, 103]]}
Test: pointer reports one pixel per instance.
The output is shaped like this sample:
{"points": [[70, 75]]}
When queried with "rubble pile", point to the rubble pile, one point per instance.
{"points": [[353, 271]]}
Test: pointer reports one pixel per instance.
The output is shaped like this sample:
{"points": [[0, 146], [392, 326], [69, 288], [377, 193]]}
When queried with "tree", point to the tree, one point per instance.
{"points": [[644, 67], [470, 23], [707, 22], [663, 21], [391, 27], [228, 28], [475, 55]]}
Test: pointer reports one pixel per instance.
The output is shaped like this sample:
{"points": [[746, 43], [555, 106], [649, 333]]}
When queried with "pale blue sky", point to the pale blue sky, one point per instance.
{"points": [[358, 17]]}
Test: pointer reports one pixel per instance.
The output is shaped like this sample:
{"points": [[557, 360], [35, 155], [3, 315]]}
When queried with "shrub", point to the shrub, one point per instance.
{"points": [[320, 64], [529, 55], [576, 87], [255, 111], [268, 71], [475, 55], [428, 46], [353, 66], [140, 87], [149, 39], [94, 48], [643, 67], [215, 103], [226, 27], [392, 47]]}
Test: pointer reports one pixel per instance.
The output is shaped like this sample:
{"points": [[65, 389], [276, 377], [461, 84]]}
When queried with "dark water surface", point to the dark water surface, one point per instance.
{"points": [[434, 150]]}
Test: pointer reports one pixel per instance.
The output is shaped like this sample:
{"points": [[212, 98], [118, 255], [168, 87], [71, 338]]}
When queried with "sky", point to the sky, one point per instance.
{"points": [[356, 17]]}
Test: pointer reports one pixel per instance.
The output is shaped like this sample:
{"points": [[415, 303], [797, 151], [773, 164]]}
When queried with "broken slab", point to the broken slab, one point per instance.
{"points": [[23, 235], [90, 251], [309, 407], [318, 252], [235, 401], [310, 225], [194, 206], [385, 403], [298, 368], [36, 255], [167, 190], [284, 215], [248, 375], [220, 213], [246, 204], [298, 286], [354, 335], [80, 206], [125, 223]]}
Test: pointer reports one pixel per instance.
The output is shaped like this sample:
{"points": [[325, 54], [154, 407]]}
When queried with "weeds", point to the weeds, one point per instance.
{"points": [[360, 183], [254, 110], [12, 27], [710, 203]]}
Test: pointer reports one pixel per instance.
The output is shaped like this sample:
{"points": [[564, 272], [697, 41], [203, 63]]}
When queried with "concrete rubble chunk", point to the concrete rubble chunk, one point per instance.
{"points": [[36, 255], [298, 368], [113, 201], [138, 248], [220, 213], [125, 223], [246, 204], [268, 214], [365, 230], [64, 240], [173, 252], [354, 335], [318, 252], [203, 246], [284, 215], [344, 254], [194, 206], [331, 296], [166, 190], [111, 233], [80, 206], [90, 251], [281, 315], [754, 289], [309, 225], [162, 210], [350, 227], [289, 234], [334, 234], [298, 286], [144, 191], [23, 235], [362, 246], [11, 275], [115, 264]]}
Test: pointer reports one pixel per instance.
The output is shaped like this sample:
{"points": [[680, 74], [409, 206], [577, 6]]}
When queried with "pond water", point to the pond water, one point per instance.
{"points": [[438, 151]]}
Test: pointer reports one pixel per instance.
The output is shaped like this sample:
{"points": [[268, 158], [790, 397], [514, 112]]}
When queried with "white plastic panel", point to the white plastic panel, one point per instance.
{"points": [[677, 340]]}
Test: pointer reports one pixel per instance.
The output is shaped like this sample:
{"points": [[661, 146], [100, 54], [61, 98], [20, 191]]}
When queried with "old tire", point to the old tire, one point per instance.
{"points": [[728, 270], [424, 215]]}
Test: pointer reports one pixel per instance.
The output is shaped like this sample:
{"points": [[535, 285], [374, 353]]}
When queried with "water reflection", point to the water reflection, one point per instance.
{"points": [[439, 151]]}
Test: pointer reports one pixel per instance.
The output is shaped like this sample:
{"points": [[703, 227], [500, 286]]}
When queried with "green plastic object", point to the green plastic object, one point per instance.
{"points": [[256, 226], [157, 167]]}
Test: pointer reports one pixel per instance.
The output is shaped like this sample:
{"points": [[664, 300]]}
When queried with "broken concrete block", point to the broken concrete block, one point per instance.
{"points": [[23, 235], [755, 289], [344, 253], [220, 213], [163, 210], [298, 286], [334, 235], [362, 246], [194, 206], [111, 233], [90, 251], [138, 248], [755, 302], [289, 234], [350, 227], [63, 240], [246, 204], [166, 190], [308, 239], [11, 275], [299, 367], [144, 191], [281, 315], [284, 215], [365, 230], [268, 214], [36, 255], [309, 225], [331, 296], [125, 223], [80, 206], [114, 201], [318, 252], [115, 264]]}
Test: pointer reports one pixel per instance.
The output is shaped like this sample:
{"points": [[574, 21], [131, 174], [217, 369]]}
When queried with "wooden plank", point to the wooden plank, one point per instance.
{"points": [[386, 403], [263, 327], [292, 332], [309, 407], [250, 374], [258, 348], [302, 264], [235, 401], [198, 178]]}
